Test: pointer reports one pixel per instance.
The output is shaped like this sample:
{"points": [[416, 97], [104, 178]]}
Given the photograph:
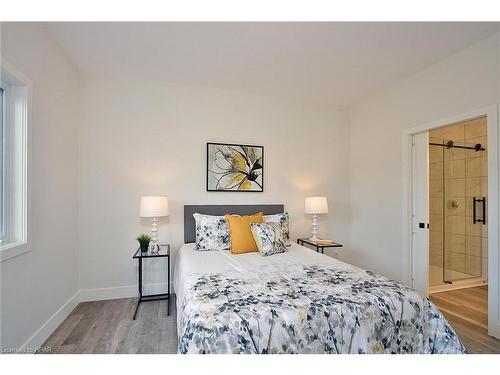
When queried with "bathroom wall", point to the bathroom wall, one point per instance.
{"points": [[458, 175]]}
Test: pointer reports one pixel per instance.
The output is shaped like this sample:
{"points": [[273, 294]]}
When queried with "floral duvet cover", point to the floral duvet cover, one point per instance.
{"points": [[309, 309]]}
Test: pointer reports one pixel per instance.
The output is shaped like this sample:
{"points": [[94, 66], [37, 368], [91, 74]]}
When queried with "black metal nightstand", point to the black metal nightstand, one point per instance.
{"points": [[163, 253], [302, 241]]}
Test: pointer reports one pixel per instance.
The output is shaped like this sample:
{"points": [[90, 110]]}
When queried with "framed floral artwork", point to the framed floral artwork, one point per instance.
{"points": [[232, 167]]}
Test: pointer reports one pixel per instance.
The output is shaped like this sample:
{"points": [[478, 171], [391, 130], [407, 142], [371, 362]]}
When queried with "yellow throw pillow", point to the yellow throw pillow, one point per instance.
{"points": [[241, 234]]}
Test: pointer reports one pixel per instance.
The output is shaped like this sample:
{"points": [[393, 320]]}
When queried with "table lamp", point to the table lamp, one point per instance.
{"points": [[154, 207], [315, 206]]}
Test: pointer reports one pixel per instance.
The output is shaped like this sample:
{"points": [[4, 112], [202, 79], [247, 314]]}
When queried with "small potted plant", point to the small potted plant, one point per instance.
{"points": [[144, 241]]}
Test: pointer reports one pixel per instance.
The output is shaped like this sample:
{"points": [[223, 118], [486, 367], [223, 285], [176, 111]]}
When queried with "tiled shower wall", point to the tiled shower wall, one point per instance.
{"points": [[457, 175]]}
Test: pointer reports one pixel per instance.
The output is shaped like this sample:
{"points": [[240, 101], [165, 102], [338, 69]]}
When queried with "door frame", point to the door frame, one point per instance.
{"points": [[409, 255]]}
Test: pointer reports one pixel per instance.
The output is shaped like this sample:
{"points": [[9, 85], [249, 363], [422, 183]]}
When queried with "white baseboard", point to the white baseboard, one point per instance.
{"points": [[494, 331], [43, 333], [128, 291], [99, 294]]}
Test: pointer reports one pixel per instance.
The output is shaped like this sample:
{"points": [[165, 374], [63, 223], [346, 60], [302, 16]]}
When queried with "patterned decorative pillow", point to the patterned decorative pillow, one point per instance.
{"points": [[269, 238], [283, 221], [212, 233]]}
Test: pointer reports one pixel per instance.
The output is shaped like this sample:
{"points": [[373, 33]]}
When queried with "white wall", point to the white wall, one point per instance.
{"points": [[466, 81], [36, 284], [140, 138]]}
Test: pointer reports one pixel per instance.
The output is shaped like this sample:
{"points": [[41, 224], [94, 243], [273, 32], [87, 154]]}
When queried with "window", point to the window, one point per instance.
{"points": [[13, 166]]}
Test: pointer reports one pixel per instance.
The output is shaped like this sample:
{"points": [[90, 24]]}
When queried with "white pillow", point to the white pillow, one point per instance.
{"points": [[212, 233], [269, 238], [283, 221]]}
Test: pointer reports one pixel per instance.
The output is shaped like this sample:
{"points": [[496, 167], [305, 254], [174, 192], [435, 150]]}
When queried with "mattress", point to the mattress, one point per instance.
{"points": [[299, 302]]}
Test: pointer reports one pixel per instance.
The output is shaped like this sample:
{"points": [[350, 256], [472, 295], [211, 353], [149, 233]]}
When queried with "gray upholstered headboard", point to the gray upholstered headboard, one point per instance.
{"points": [[246, 209]]}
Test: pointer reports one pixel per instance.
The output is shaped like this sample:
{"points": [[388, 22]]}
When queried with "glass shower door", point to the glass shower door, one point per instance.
{"points": [[464, 205], [454, 219]]}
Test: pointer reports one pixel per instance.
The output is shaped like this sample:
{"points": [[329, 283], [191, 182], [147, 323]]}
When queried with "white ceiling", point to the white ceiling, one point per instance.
{"points": [[336, 63]]}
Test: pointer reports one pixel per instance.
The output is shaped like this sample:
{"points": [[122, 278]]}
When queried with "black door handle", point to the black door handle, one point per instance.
{"points": [[474, 210]]}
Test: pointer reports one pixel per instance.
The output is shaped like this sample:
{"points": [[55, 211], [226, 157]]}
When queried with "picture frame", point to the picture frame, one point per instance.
{"points": [[234, 167]]}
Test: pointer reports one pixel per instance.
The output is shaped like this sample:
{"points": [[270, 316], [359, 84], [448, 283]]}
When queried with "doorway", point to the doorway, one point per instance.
{"points": [[451, 213], [458, 206], [458, 214]]}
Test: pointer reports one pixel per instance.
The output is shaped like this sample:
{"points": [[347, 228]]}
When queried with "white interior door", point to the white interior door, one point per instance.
{"points": [[420, 212]]}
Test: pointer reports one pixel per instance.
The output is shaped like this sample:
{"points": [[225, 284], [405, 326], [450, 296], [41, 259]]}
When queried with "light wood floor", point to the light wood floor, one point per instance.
{"points": [[467, 312], [107, 326]]}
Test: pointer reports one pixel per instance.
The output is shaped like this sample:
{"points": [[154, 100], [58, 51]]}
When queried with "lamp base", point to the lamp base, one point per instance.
{"points": [[314, 231], [153, 245]]}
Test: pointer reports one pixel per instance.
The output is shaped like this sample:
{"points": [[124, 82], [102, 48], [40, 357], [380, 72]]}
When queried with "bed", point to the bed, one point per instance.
{"points": [[297, 302]]}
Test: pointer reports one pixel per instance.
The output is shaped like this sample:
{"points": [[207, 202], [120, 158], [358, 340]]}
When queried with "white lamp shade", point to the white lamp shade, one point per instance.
{"points": [[154, 206], [316, 205]]}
